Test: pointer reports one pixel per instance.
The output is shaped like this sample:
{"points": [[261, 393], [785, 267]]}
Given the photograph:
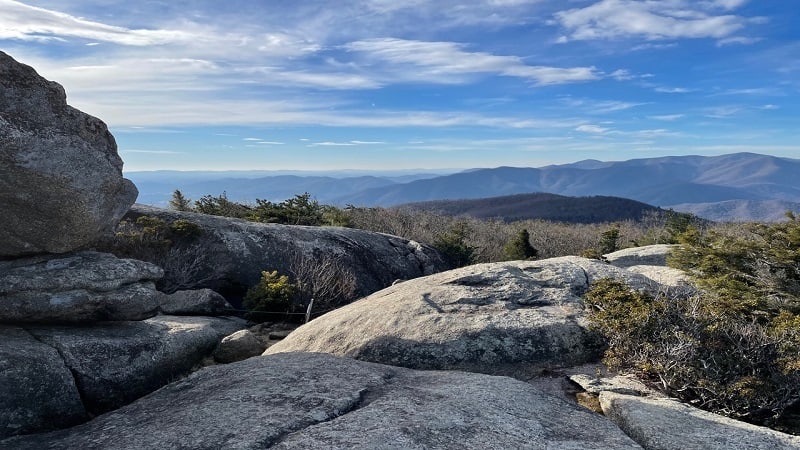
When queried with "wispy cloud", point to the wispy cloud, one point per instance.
{"points": [[24, 22], [652, 20], [441, 60], [592, 129], [673, 90], [667, 117]]}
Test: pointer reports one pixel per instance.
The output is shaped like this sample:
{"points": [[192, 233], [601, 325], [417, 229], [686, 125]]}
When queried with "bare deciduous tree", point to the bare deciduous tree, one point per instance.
{"points": [[324, 279]]}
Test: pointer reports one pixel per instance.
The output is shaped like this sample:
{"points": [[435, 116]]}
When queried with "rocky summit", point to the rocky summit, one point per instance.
{"points": [[61, 181], [513, 318]]}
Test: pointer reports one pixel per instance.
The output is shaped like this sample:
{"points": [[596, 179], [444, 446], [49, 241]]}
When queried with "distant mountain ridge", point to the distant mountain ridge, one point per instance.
{"points": [[760, 184], [661, 181], [552, 207]]}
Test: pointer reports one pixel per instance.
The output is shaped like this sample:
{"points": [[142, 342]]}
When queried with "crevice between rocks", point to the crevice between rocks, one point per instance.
{"points": [[365, 397], [72, 372]]}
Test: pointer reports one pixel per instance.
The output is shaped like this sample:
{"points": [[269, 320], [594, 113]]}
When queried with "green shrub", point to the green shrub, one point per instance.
{"points": [[271, 298], [520, 247], [185, 229], [453, 245], [701, 351]]}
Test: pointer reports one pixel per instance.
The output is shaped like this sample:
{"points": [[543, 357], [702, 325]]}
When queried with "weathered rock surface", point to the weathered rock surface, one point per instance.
{"points": [[238, 346], [78, 287], [115, 363], [235, 252], [650, 261], [648, 255], [310, 400], [200, 302], [61, 182], [512, 318], [37, 391], [666, 424]]}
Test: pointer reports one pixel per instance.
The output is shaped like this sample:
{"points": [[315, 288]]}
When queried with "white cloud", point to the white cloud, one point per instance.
{"points": [[24, 22], [331, 144], [667, 117], [621, 75], [722, 112], [441, 60], [651, 20], [599, 106], [738, 40], [674, 90], [592, 129]]}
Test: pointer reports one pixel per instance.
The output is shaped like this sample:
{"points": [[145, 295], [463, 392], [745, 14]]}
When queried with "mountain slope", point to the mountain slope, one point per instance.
{"points": [[540, 206]]}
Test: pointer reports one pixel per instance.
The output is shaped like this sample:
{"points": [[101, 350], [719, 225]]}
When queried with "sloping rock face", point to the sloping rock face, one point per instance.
{"points": [[116, 363], [302, 401], [235, 252], [37, 391], [512, 318], [61, 179], [648, 255], [650, 261], [200, 302], [666, 424], [79, 287]]}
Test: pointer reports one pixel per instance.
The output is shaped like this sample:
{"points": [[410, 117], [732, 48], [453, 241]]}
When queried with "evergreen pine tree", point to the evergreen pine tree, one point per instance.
{"points": [[179, 202], [520, 247]]}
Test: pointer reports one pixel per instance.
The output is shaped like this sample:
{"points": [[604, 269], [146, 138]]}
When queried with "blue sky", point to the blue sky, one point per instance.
{"points": [[387, 84]]}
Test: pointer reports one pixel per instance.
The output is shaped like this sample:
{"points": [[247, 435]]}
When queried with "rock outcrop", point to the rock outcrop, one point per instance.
{"points": [[116, 363], [77, 287], [650, 261], [61, 182], [37, 390], [666, 424], [302, 401], [513, 318], [235, 252], [200, 302], [649, 255]]}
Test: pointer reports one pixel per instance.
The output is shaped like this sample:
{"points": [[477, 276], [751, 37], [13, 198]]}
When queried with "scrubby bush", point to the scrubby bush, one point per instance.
{"points": [[323, 279], [172, 245], [732, 348], [271, 298]]}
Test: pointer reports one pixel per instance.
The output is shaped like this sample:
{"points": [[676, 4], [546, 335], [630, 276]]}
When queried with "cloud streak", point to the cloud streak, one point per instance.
{"points": [[441, 60], [654, 20]]}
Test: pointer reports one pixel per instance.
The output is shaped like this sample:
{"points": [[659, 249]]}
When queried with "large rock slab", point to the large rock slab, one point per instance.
{"points": [[200, 302], [648, 255], [78, 287], [235, 252], [511, 318], [303, 401], [651, 261], [115, 363], [37, 391], [666, 424], [61, 182]]}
